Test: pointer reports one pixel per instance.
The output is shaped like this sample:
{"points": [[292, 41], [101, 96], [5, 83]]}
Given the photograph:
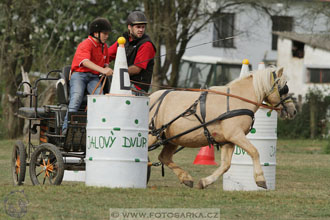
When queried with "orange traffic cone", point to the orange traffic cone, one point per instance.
{"points": [[205, 156]]}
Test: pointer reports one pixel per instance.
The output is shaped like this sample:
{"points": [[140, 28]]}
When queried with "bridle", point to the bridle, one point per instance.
{"points": [[280, 91]]}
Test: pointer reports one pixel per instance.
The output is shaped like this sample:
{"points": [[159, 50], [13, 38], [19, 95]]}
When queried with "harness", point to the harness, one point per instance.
{"points": [[159, 133]]}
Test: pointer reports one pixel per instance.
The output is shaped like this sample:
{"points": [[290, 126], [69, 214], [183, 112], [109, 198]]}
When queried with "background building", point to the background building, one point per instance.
{"points": [[255, 33]]}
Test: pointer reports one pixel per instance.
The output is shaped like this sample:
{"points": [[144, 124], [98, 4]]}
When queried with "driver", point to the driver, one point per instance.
{"points": [[90, 60]]}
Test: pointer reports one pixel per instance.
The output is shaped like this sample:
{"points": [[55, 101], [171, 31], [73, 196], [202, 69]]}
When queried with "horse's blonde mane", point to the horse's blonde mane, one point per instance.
{"points": [[261, 81]]}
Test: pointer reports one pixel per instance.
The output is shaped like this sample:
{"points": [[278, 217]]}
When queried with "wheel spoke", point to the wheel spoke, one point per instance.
{"points": [[17, 164], [44, 180], [52, 174], [40, 173], [53, 163]]}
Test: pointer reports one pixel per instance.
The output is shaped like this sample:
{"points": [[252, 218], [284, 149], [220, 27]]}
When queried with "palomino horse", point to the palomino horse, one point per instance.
{"points": [[174, 112]]}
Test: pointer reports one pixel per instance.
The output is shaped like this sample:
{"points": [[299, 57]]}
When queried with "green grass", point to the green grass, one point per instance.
{"points": [[302, 189]]}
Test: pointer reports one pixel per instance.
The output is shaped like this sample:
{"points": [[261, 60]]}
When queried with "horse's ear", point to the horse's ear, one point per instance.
{"points": [[280, 72]]}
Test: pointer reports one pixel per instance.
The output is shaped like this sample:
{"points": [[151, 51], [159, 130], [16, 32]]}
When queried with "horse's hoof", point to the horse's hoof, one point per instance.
{"points": [[188, 183], [262, 184], [200, 185]]}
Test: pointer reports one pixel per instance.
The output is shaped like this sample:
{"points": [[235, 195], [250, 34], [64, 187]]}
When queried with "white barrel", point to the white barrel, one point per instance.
{"points": [[264, 137], [117, 141]]}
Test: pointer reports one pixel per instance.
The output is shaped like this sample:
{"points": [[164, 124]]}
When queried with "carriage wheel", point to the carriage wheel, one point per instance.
{"points": [[18, 163], [148, 170], [46, 165]]}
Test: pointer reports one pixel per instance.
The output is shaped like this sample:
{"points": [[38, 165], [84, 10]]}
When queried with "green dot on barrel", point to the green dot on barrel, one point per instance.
{"points": [[128, 102], [104, 120], [90, 158], [253, 130], [147, 103], [94, 100], [136, 121], [269, 114], [137, 160]]}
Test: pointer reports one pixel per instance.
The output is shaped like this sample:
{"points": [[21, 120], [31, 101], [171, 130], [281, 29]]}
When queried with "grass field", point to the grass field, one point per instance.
{"points": [[302, 189]]}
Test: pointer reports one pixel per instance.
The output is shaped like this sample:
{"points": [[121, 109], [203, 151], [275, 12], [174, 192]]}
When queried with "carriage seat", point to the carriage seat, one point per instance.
{"points": [[63, 88]]}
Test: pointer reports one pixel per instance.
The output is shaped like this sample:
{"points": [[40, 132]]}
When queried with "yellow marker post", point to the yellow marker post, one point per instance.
{"points": [[121, 41], [245, 68]]}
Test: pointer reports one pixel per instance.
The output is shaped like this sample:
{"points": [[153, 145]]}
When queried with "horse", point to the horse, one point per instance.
{"points": [[177, 118]]}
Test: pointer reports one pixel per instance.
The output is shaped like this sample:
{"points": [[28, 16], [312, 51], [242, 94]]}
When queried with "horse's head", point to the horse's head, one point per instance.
{"points": [[278, 96]]}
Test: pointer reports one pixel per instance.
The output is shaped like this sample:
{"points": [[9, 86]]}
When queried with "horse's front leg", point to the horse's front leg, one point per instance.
{"points": [[226, 155], [166, 158], [241, 140]]}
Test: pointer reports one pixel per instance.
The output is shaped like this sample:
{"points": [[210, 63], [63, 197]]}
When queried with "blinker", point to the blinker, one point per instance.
{"points": [[284, 90]]}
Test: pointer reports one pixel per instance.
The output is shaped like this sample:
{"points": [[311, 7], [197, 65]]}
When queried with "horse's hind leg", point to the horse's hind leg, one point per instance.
{"points": [[166, 158], [226, 155]]}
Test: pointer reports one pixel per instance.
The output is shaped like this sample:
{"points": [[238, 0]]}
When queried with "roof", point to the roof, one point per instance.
{"points": [[315, 40], [211, 59]]}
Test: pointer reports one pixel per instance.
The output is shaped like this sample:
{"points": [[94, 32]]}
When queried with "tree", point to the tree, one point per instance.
{"points": [[15, 51], [41, 36]]}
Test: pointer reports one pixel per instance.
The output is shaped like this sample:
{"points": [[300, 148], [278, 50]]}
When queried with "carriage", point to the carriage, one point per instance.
{"points": [[225, 116], [53, 152]]}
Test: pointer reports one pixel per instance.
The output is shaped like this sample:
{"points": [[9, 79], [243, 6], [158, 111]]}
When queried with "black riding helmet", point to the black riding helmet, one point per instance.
{"points": [[136, 17], [99, 25]]}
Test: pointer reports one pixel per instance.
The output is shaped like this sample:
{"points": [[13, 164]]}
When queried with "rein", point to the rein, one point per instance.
{"points": [[215, 92], [97, 85], [235, 96]]}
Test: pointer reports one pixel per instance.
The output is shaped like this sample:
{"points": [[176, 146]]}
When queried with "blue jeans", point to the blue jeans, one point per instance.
{"points": [[78, 83]]}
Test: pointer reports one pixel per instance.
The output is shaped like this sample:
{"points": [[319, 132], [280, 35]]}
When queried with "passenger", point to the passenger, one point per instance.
{"points": [[89, 62], [140, 52]]}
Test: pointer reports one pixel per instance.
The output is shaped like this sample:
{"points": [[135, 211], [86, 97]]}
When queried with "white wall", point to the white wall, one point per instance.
{"points": [[295, 68]]}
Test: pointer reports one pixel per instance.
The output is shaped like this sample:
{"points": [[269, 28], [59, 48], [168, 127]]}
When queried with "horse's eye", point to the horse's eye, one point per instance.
{"points": [[284, 90]]}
